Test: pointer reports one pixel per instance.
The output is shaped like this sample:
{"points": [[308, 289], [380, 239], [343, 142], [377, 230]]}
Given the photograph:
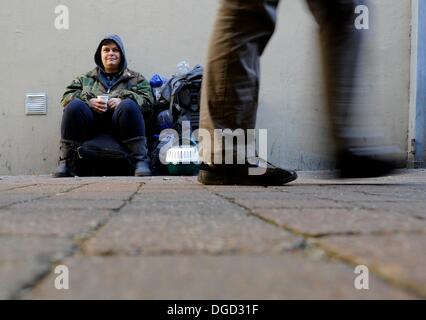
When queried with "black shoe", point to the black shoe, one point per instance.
{"points": [[143, 169], [62, 171], [354, 165], [244, 175]]}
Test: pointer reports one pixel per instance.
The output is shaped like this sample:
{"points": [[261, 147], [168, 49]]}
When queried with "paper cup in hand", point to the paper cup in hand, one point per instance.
{"points": [[104, 99]]}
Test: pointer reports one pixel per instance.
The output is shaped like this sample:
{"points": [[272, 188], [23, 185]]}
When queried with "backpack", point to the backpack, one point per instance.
{"points": [[179, 101], [181, 95], [102, 156]]}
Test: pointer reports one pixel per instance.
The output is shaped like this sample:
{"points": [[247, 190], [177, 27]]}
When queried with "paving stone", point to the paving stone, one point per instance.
{"points": [[87, 196], [62, 224], [328, 178], [349, 194], [109, 186], [101, 191], [213, 227], [148, 190], [41, 189], [173, 184], [288, 203], [40, 180], [69, 204], [288, 276], [400, 257], [257, 195], [234, 189], [7, 200], [171, 180], [168, 233], [415, 192], [353, 193], [167, 196], [276, 199], [4, 186], [24, 260], [317, 222], [413, 208]]}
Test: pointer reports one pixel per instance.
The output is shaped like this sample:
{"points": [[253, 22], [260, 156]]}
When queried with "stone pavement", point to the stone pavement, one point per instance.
{"points": [[172, 238]]}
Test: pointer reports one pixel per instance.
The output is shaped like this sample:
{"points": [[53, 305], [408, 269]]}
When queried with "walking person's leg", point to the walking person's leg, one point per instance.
{"points": [[231, 88], [340, 46]]}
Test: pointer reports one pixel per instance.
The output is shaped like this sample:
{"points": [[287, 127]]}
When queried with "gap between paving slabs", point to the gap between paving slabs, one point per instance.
{"points": [[78, 245], [38, 198], [308, 243], [311, 243], [41, 275]]}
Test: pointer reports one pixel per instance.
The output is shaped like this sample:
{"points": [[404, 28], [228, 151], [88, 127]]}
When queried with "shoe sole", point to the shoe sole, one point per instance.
{"points": [[213, 178], [143, 175], [54, 175], [360, 174]]}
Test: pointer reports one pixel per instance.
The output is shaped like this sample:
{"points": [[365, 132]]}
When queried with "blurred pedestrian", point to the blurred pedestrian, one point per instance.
{"points": [[231, 88]]}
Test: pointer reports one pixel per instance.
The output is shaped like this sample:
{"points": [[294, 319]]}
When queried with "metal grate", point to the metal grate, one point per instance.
{"points": [[36, 104]]}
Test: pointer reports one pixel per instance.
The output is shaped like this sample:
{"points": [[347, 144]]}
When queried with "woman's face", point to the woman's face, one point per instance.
{"points": [[111, 57]]}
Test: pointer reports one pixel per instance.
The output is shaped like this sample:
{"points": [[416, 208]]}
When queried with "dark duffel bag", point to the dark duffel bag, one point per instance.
{"points": [[102, 156]]}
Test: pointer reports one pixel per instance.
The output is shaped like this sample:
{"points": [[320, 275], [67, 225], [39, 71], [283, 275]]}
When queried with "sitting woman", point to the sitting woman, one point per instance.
{"points": [[88, 113]]}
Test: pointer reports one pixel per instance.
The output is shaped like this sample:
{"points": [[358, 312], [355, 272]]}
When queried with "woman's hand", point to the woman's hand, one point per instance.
{"points": [[98, 105], [114, 102]]}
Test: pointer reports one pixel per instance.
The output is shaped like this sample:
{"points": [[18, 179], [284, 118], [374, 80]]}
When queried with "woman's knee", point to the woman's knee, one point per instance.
{"points": [[128, 105], [128, 120], [76, 107], [77, 113], [128, 110], [77, 121]]}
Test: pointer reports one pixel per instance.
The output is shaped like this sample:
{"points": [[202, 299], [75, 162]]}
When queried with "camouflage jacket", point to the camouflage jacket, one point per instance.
{"points": [[130, 85]]}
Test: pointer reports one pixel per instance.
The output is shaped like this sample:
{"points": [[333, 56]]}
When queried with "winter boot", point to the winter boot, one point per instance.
{"points": [[139, 153], [63, 169]]}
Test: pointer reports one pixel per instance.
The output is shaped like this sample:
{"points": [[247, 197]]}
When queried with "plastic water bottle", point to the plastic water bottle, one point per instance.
{"points": [[165, 120], [157, 83], [182, 68]]}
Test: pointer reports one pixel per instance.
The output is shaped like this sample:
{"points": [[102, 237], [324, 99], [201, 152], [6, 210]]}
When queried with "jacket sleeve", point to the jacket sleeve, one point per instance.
{"points": [[75, 91], [141, 93]]}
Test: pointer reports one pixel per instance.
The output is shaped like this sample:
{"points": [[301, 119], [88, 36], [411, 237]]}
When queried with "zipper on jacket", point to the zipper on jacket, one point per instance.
{"points": [[120, 81], [116, 84]]}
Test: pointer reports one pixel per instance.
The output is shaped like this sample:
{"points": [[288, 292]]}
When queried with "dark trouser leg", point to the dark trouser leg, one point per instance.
{"points": [[128, 121], [78, 122], [340, 47], [231, 81], [77, 126], [340, 44], [129, 126]]}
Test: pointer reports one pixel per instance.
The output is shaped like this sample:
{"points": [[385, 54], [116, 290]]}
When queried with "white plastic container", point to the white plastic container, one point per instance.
{"points": [[183, 155], [183, 160]]}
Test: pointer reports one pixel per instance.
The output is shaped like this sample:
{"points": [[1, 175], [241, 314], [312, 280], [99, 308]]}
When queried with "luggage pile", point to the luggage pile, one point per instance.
{"points": [[176, 117]]}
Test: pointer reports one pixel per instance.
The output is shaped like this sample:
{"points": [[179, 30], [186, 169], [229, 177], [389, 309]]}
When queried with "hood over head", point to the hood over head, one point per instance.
{"points": [[115, 38]]}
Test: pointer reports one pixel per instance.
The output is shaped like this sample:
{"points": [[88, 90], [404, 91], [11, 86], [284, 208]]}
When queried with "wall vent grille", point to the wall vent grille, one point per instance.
{"points": [[36, 104]]}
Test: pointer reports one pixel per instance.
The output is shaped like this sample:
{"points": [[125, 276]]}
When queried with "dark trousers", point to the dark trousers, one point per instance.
{"points": [[80, 123], [231, 82]]}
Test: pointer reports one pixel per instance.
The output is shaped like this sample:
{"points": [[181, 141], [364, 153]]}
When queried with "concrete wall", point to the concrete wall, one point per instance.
{"points": [[38, 58]]}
